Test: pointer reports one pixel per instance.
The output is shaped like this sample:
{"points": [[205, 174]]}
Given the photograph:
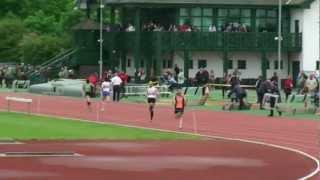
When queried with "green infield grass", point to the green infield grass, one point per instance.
{"points": [[29, 127]]}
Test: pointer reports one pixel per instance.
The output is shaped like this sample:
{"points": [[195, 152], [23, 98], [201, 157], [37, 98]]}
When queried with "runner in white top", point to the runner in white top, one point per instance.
{"points": [[105, 91], [152, 94]]}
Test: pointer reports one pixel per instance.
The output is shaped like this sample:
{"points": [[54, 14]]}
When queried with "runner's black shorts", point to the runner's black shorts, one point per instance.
{"points": [[88, 94], [178, 110], [151, 100]]}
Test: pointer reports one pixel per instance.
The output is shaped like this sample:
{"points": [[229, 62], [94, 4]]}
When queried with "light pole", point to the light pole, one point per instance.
{"points": [[280, 38], [279, 41], [101, 42]]}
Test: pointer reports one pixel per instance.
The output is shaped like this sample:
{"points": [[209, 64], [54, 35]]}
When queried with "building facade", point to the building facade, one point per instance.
{"points": [[219, 36]]}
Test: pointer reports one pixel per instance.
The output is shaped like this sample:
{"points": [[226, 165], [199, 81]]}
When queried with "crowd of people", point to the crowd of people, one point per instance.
{"points": [[112, 83], [306, 85], [154, 26], [11, 72]]}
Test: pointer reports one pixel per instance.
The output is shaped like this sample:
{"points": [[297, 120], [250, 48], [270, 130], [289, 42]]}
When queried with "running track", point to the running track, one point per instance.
{"points": [[302, 135]]}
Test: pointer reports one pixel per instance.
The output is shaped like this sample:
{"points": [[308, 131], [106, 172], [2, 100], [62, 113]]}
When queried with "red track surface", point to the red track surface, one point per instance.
{"points": [[173, 160], [297, 134]]}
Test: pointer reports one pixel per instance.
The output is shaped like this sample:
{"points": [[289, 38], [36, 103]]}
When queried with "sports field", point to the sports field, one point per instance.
{"points": [[122, 143], [29, 127]]}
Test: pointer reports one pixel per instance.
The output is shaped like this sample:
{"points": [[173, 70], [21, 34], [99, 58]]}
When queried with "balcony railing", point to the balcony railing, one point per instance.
{"points": [[200, 41]]}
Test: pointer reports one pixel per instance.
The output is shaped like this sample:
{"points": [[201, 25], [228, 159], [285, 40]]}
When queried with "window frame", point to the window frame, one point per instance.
{"points": [[205, 63], [239, 65]]}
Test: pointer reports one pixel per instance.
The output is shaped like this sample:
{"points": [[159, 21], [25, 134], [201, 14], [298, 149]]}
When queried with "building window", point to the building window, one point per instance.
{"points": [[199, 18], [239, 18], [167, 63], [191, 64], [230, 64], [276, 62], [266, 20], [242, 64], [202, 63], [128, 62], [318, 65], [142, 63], [267, 64]]}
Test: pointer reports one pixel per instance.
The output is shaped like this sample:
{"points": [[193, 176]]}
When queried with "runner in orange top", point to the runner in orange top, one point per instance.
{"points": [[179, 104]]}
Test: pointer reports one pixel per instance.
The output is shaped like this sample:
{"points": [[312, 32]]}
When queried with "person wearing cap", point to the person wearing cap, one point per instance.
{"points": [[152, 94]]}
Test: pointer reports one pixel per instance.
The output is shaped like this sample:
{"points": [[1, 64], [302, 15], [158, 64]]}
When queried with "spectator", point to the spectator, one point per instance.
{"points": [[301, 81], [265, 87], [181, 79], [211, 77], [130, 28], [275, 78], [116, 83], [288, 85], [212, 28], [258, 90], [2, 77], [239, 93], [176, 71], [274, 90]]}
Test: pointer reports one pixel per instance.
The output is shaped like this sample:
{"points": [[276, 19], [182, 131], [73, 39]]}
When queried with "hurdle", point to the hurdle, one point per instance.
{"points": [[17, 99]]}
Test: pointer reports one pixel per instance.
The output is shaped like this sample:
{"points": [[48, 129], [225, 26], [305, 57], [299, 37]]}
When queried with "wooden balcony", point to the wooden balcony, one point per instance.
{"points": [[191, 41]]}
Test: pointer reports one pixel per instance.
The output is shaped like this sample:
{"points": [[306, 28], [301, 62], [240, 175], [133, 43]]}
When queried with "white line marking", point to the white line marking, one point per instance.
{"points": [[317, 170], [39, 155]]}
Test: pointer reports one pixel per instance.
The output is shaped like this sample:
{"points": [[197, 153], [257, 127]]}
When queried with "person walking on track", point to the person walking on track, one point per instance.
{"points": [[87, 90], [179, 102], [105, 91], [152, 94]]}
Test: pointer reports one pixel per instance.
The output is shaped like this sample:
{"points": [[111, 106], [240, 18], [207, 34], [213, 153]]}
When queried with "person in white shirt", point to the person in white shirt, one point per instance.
{"points": [[116, 83], [105, 91], [152, 94], [130, 28], [311, 84]]}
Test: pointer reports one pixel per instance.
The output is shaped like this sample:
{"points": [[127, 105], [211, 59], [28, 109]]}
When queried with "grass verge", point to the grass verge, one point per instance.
{"points": [[30, 127]]}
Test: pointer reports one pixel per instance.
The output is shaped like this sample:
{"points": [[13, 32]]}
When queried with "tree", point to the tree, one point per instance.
{"points": [[42, 24], [37, 49], [11, 34]]}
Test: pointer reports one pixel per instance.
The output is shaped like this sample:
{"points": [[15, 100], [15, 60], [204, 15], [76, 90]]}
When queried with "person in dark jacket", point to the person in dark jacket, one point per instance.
{"points": [[240, 94], [264, 88], [275, 91], [258, 88]]}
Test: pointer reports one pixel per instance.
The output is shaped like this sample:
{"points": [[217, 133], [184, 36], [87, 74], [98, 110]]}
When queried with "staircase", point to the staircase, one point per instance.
{"points": [[54, 64]]}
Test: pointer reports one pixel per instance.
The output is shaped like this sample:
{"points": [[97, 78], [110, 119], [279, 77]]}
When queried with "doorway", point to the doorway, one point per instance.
{"points": [[295, 71]]}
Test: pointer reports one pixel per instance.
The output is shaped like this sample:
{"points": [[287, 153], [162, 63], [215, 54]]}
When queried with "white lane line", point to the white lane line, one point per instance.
{"points": [[313, 173]]}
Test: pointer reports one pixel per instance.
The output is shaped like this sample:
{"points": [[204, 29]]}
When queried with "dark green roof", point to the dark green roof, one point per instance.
{"points": [[208, 2]]}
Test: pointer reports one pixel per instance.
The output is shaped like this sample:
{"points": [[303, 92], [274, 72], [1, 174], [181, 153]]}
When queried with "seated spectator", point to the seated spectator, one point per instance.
{"points": [[130, 28], [239, 94], [212, 28]]}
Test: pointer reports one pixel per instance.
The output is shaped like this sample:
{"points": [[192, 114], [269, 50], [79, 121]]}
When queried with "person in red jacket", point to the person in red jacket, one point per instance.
{"points": [[288, 85]]}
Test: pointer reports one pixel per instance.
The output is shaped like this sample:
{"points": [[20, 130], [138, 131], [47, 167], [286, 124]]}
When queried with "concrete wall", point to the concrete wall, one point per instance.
{"points": [[215, 63], [309, 25], [272, 57]]}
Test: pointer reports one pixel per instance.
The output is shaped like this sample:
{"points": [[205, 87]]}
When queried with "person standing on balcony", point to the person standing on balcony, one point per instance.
{"points": [[212, 28], [130, 28]]}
